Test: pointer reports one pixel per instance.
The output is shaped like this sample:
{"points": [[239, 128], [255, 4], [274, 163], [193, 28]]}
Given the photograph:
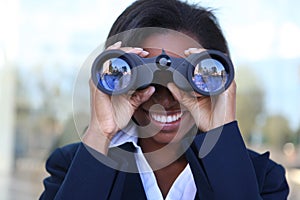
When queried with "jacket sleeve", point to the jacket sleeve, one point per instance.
{"points": [[230, 170], [78, 174], [275, 186]]}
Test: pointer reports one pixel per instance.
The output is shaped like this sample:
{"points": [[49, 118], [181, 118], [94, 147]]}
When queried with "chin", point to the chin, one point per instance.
{"points": [[168, 137]]}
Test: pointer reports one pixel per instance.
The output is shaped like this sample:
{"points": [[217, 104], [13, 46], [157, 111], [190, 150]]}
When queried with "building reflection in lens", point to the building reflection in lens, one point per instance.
{"points": [[115, 74], [210, 75]]}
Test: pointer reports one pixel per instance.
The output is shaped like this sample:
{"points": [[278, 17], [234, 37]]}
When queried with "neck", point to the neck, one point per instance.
{"points": [[160, 155], [166, 160]]}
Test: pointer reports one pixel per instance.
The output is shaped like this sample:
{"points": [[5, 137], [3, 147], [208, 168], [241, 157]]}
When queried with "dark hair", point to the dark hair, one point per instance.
{"points": [[192, 20]]}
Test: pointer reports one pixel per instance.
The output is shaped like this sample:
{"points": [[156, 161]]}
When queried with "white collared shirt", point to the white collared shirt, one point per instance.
{"points": [[183, 188]]}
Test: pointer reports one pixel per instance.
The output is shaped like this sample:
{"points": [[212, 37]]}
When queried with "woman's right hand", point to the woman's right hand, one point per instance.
{"points": [[109, 114]]}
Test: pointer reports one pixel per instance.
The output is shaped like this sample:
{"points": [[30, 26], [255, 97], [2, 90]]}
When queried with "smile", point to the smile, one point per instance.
{"points": [[166, 118]]}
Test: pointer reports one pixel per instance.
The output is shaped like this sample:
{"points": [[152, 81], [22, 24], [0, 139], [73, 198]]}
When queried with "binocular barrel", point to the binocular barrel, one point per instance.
{"points": [[208, 73]]}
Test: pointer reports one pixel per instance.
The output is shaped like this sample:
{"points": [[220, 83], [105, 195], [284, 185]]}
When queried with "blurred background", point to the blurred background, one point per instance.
{"points": [[43, 45]]}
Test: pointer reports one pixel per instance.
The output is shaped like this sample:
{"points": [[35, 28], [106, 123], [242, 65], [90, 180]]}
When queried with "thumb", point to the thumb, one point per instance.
{"points": [[187, 100], [182, 97], [139, 97]]}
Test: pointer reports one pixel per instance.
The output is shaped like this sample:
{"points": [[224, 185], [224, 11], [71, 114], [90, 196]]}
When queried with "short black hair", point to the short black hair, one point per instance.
{"points": [[177, 15]]}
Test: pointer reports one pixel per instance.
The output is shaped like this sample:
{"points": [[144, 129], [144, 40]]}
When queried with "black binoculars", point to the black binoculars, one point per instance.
{"points": [[208, 73]]}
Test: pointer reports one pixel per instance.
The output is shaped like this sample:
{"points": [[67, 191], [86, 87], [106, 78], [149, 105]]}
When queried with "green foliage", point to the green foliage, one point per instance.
{"points": [[250, 101], [297, 136], [277, 131]]}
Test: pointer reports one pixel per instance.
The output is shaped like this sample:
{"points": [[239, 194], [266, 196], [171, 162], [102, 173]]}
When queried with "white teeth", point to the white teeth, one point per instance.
{"points": [[165, 118], [174, 118]]}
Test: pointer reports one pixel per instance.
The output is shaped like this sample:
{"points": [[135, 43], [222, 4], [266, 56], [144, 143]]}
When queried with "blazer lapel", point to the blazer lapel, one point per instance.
{"points": [[133, 187], [128, 184], [204, 190]]}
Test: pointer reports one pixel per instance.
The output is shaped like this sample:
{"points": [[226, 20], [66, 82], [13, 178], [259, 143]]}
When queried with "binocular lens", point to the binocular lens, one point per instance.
{"points": [[114, 75], [209, 75]]}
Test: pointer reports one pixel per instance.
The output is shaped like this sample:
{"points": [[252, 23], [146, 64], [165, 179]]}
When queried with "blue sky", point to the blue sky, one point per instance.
{"points": [[263, 35]]}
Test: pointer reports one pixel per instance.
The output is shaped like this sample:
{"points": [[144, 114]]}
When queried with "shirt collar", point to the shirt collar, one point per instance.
{"points": [[128, 134]]}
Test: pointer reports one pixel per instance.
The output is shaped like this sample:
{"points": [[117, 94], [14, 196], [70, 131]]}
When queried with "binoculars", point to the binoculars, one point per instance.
{"points": [[208, 73]]}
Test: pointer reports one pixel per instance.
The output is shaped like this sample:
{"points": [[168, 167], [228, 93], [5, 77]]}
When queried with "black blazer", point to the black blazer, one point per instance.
{"points": [[228, 172]]}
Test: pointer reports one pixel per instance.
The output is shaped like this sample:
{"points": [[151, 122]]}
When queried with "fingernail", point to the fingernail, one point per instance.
{"points": [[186, 51], [145, 53], [118, 44], [138, 48], [150, 90]]}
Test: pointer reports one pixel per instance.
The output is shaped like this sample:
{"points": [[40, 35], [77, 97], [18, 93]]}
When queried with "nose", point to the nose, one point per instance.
{"points": [[163, 96]]}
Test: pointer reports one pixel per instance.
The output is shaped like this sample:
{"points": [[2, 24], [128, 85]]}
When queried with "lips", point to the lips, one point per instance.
{"points": [[166, 118]]}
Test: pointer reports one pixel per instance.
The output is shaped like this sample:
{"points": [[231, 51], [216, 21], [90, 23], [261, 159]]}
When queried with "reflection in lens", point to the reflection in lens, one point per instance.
{"points": [[210, 75], [115, 74]]}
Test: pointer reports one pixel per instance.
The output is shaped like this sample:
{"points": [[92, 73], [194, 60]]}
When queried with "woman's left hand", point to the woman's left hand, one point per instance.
{"points": [[209, 112]]}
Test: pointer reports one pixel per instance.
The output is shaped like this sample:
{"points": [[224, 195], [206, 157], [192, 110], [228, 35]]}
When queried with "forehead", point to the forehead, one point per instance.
{"points": [[174, 43]]}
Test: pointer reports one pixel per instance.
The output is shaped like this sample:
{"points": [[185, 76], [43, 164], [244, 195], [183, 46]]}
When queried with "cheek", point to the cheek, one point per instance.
{"points": [[186, 124]]}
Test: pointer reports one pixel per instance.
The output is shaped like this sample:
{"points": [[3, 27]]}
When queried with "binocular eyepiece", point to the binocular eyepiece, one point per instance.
{"points": [[208, 73]]}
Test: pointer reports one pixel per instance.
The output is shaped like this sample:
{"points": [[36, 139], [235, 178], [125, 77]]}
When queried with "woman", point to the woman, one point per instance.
{"points": [[161, 142]]}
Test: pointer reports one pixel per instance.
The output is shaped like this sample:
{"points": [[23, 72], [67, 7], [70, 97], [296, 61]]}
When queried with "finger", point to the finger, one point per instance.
{"points": [[136, 50], [196, 94], [193, 50], [229, 99], [95, 91], [177, 94], [188, 101], [143, 54], [116, 45], [92, 85], [232, 88], [97, 97], [181, 96], [142, 96], [100, 103]]}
